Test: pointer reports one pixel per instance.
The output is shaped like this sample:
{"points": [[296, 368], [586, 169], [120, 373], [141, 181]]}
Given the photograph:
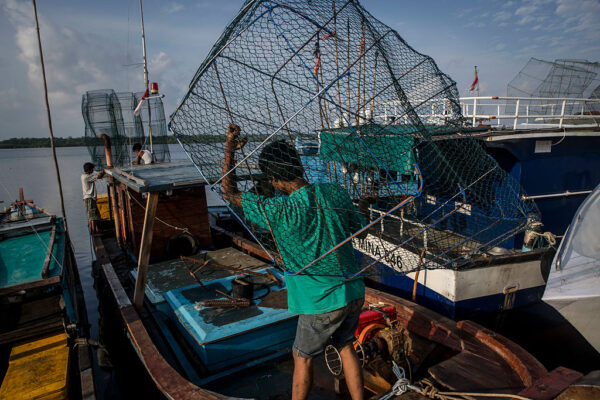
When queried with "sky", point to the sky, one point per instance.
{"points": [[92, 45]]}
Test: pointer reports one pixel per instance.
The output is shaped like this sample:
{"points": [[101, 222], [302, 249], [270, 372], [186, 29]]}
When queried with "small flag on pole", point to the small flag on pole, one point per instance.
{"points": [[138, 108], [475, 84]]}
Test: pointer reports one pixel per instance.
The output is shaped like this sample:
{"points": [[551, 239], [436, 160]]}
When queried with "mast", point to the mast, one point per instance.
{"points": [[60, 190], [146, 81]]}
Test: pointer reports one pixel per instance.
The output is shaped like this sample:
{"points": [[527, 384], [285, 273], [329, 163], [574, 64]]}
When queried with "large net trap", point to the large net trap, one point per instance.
{"points": [[337, 149], [558, 79], [106, 112]]}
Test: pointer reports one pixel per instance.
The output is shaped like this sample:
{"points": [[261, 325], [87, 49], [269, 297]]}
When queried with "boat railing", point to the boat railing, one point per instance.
{"points": [[500, 112], [531, 112]]}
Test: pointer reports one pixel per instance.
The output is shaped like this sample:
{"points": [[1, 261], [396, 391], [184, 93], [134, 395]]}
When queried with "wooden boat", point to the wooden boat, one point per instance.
{"points": [[44, 330], [191, 348]]}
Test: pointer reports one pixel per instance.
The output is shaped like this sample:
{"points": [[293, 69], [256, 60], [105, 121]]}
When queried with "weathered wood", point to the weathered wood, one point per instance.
{"points": [[48, 259], [184, 209], [468, 372], [121, 202], [86, 374], [228, 268], [127, 175], [167, 379], [32, 330], [144, 255], [523, 363], [551, 385], [247, 245], [29, 285]]}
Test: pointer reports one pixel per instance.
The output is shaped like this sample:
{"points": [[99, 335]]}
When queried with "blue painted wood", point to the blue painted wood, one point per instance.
{"points": [[224, 338]]}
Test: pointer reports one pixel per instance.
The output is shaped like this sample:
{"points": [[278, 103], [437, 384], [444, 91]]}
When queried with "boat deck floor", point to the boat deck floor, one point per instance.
{"points": [[269, 380]]}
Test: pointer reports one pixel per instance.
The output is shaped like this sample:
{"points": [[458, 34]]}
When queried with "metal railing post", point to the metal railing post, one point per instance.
{"points": [[517, 113], [562, 113], [474, 111]]}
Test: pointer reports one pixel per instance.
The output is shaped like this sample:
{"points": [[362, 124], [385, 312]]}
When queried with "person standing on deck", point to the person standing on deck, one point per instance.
{"points": [[88, 185], [142, 157], [309, 221]]}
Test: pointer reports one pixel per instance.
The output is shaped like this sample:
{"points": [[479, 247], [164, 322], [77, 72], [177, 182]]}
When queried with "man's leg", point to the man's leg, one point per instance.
{"points": [[352, 372], [302, 377]]}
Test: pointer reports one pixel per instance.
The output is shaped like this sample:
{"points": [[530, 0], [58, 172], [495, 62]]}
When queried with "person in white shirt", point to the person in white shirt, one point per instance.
{"points": [[88, 186], [142, 157]]}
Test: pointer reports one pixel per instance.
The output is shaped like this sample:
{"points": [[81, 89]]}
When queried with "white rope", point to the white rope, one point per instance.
{"points": [[184, 230]]}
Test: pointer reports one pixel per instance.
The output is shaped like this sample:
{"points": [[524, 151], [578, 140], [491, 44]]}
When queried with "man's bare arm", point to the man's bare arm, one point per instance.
{"points": [[228, 184]]}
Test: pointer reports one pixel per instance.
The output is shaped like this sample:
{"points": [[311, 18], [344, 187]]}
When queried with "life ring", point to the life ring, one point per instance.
{"points": [[182, 244]]}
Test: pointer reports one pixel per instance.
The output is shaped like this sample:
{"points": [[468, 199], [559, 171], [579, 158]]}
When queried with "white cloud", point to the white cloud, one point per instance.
{"points": [[580, 15], [173, 7], [75, 62]]}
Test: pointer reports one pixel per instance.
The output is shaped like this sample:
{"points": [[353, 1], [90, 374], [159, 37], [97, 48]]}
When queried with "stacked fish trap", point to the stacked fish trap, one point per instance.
{"points": [[106, 112], [362, 110]]}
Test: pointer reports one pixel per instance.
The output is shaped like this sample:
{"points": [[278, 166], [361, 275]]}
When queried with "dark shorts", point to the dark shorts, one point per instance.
{"points": [[315, 330], [91, 209]]}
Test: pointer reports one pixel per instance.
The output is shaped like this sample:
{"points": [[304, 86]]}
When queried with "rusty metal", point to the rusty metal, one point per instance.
{"points": [[220, 303]]}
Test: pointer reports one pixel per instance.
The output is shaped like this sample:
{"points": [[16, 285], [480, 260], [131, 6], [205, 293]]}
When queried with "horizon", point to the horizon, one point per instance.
{"points": [[90, 46]]}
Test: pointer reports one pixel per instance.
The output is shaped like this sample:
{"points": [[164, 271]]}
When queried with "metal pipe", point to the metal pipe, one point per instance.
{"points": [[146, 80], [564, 194]]}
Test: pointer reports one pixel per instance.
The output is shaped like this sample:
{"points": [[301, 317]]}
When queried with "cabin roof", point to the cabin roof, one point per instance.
{"points": [[158, 177]]}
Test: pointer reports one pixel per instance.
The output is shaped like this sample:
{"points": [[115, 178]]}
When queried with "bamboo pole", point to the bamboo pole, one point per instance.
{"points": [[144, 254], [50, 130]]}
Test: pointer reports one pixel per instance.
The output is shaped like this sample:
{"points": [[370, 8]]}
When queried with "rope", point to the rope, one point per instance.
{"points": [[429, 390], [184, 230]]}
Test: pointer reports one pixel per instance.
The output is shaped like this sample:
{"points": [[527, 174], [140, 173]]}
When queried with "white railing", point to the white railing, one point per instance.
{"points": [[532, 112], [510, 112]]}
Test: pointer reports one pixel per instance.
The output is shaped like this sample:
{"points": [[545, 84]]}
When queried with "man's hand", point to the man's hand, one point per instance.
{"points": [[233, 141]]}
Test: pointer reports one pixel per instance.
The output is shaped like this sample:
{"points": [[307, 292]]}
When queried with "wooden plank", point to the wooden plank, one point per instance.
{"points": [[192, 182], [130, 176], [552, 384], [115, 286], [30, 285], [468, 372], [524, 364], [49, 252], [32, 330], [144, 255]]}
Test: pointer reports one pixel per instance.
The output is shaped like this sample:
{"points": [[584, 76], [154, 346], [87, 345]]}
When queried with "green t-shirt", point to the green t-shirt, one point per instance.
{"points": [[306, 224]]}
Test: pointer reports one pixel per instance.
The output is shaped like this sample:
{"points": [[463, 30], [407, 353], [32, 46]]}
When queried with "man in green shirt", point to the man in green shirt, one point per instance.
{"points": [[305, 224]]}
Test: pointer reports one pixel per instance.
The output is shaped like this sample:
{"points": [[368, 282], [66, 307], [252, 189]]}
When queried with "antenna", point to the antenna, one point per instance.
{"points": [[146, 82]]}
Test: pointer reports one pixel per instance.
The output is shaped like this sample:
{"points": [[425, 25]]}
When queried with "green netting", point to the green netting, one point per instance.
{"points": [[106, 112], [371, 147], [327, 132]]}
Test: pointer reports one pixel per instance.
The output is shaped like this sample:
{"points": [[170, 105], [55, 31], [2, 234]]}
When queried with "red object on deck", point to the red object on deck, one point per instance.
{"points": [[154, 88], [374, 317]]}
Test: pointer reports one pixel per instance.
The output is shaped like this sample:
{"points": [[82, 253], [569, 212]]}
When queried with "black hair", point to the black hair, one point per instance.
{"points": [[281, 161], [88, 167], [136, 147]]}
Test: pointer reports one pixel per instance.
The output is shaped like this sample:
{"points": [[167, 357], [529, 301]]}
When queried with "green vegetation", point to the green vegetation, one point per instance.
{"points": [[15, 143]]}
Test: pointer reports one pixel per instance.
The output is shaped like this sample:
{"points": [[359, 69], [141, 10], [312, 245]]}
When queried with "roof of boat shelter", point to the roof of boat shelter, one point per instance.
{"points": [[158, 177]]}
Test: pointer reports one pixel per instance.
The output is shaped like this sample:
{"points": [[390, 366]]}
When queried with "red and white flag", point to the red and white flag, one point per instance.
{"points": [[138, 108], [475, 84]]}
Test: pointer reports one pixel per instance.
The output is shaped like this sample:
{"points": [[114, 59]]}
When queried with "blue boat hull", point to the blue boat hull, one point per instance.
{"points": [[572, 164]]}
